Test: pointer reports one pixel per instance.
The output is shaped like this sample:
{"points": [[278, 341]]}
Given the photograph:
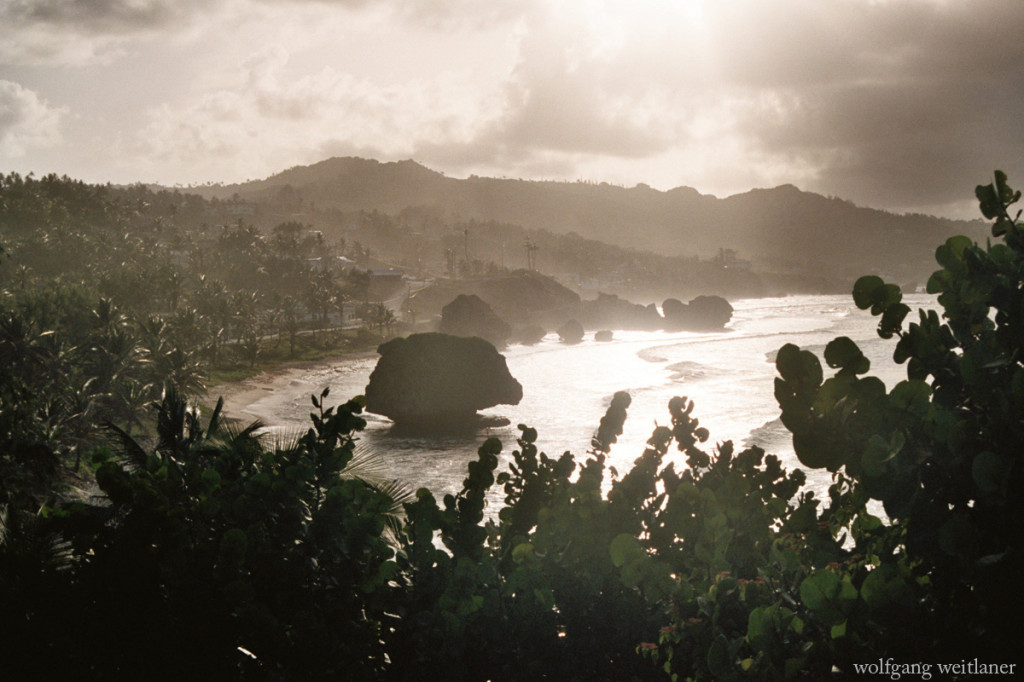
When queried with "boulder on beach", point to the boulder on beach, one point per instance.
{"points": [[704, 313], [469, 315], [439, 381]]}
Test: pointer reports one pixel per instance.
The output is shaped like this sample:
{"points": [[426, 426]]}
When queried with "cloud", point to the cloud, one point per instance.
{"points": [[267, 121], [574, 92], [922, 102], [103, 16], [900, 104], [26, 121], [462, 14], [608, 89], [77, 31]]}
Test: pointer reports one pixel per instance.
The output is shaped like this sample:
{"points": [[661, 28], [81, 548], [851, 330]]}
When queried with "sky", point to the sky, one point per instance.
{"points": [[904, 105]]}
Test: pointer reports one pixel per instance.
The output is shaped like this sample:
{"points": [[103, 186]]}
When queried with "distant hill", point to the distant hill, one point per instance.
{"points": [[782, 229]]}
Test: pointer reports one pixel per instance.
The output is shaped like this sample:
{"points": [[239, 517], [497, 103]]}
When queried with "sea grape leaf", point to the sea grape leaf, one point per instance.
{"points": [[843, 353], [864, 290], [989, 470], [625, 548], [799, 367]]}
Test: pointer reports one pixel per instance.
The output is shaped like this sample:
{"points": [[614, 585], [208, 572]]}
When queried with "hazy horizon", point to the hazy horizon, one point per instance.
{"points": [[903, 106]]}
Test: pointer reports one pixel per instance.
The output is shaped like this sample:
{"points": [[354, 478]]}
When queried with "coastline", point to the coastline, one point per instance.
{"points": [[253, 397]]}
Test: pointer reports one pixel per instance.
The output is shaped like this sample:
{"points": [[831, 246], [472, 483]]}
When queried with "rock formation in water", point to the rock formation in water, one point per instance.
{"points": [[469, 315], [704, 313], [520, 297], [439, 381], [608, 310], [604, 335], [529, 334], [701, 314], [571, 331]]}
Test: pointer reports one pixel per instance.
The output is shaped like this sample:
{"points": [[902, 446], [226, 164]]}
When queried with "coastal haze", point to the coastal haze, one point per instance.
{"points": [[895, 105], [728, 374], [791, 239], [556, 159]]}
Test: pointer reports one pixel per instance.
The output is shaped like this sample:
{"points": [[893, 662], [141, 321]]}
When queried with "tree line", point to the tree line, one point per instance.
{"points": [[107, 293]]}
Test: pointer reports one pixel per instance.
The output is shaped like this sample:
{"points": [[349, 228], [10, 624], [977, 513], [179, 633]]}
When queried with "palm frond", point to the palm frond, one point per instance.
{"points": [[130, 449], [283, 440], [399, 492], [233, 432], [215, 422], [368, 467], [366, 462]]}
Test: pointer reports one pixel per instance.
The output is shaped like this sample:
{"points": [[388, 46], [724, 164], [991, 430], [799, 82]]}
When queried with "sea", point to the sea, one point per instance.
{"points": [[728, 374]]}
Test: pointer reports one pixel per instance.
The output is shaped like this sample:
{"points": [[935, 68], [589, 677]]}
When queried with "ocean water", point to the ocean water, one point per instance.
{"points": [[728, 374]]}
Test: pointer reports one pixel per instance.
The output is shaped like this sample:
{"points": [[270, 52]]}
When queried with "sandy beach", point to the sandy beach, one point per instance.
{"points": [[271, 395]]}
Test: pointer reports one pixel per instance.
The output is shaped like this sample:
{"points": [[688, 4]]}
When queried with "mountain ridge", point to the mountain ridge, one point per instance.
{"points": [[780, 227]]}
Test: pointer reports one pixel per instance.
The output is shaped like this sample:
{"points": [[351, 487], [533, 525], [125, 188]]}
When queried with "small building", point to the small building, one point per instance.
{"points": [[385, 283], [241, 209], [388, 275], [345, 264]]}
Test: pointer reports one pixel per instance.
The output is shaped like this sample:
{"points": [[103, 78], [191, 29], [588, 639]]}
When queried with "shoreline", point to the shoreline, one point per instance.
{"points": [[242, 396]]}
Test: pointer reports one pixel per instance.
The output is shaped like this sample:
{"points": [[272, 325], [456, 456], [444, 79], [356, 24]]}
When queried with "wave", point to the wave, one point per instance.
{"points": [[688, 370], [769, 436]]}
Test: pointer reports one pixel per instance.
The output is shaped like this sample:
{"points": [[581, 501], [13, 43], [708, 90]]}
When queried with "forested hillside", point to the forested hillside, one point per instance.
{"points": [[781, 231]]}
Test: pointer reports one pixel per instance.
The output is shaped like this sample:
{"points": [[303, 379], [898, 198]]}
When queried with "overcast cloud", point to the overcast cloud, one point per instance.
{"points": [[901, 105], [26, 122]]}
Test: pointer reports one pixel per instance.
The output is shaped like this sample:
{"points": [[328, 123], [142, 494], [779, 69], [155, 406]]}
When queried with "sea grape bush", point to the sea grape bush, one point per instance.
{"points": [[940, 450], [568, 581], [931, 578], [214, 553]]}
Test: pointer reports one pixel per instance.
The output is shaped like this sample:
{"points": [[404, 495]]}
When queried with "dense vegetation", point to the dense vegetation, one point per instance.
{"points": [[792, 240], [108, 293], [210, 552]]}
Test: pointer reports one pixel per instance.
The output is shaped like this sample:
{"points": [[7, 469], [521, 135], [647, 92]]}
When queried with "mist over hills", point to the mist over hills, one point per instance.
{"points": [[782, 229]]}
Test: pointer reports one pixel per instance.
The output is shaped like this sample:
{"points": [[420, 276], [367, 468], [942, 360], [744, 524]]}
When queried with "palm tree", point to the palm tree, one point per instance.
{"points": [[382, 318], [131, 396], [250, 346], [290, 316], [367, 465], [106, 317], [321, 295], [185, 444], [116, 353], [172, 286], [181, 368]]}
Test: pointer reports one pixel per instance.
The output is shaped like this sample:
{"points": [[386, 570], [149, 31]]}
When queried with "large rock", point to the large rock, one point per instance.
{"points": [[529, 334], [519, 297], [571, 331], [610, 311], [439, 381], [704, 313], [469, 315], [526, 295]]}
